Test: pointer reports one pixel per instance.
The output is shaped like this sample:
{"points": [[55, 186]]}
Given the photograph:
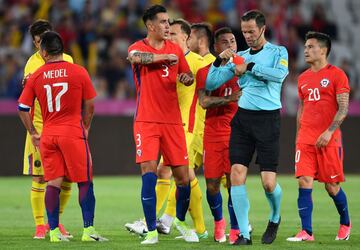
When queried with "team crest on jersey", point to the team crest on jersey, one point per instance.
{"points": [[324, 82], [139, 152]]}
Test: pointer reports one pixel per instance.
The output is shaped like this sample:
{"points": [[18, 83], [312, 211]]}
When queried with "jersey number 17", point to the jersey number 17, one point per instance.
{"points": [[49, 97]]}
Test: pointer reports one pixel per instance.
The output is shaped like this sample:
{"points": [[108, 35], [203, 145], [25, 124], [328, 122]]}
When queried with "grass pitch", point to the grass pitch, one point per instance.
{"points": [[118, 202]]}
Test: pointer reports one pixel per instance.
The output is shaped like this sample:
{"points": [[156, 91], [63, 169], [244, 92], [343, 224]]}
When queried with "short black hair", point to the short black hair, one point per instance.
{"points": [[203, 29], [52, 43], [184, 25], [322, 38], [256, 15], [223, 30], [151, 12], [39, 27]]}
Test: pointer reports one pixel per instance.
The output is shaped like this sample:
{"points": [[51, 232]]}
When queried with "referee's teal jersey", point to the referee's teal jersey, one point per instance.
{"points": [[261, 87]]}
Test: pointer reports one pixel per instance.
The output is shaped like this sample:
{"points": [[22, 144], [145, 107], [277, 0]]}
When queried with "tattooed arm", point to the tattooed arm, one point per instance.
{"points": [[138, 57], [343, 103], [206, 101]]}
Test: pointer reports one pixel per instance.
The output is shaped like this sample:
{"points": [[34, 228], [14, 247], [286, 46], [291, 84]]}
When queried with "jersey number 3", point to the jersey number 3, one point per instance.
{"points": [[49, 97]]}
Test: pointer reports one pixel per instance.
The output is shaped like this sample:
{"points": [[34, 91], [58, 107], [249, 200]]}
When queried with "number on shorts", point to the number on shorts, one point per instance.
{"points": [[138, 140], [49, 98], [297, 156]]}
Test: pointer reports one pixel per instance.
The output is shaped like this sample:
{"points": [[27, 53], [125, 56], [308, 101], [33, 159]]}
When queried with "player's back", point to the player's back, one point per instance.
{"points": [[60, 88]]}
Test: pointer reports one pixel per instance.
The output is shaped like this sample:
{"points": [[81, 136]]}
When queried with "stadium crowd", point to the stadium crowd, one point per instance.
{"points": [[98, 33]]}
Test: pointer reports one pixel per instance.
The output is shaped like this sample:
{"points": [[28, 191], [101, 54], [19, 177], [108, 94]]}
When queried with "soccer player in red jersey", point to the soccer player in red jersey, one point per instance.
{"points": [[220, 105], [324, 99], [61, 89], [157, 63]]}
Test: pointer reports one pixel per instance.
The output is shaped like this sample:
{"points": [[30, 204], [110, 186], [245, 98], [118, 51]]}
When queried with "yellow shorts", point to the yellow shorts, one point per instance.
{"points": [[32, 159], [196, 150]]}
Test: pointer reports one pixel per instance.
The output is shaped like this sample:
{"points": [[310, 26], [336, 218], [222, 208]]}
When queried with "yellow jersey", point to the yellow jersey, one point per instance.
{"points": [[200, 113], [186, 93], [33, 63]]}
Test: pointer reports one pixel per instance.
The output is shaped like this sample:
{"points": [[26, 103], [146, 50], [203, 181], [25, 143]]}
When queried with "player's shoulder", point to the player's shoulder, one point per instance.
{"points": [[34, 62], [243, 52], [68, 58], [194, 58], [306, 73], [334, 69], [138, 45]]}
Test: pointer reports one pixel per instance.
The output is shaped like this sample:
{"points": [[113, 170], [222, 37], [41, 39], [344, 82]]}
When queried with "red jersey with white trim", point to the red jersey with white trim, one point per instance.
{"points": [[318, 91], [60, 88], [157, 99], [217, 120]]}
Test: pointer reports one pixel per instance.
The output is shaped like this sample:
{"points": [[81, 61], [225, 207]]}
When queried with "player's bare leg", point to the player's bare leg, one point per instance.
{"points": [[339, 197]]}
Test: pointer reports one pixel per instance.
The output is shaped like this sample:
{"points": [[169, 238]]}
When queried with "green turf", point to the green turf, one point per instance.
{"points": [[118, 202]]}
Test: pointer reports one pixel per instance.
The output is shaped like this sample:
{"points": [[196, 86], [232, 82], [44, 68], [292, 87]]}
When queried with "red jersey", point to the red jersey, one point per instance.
{"points": [[157, 99], [60, 88], [217, 120], [318, 91]]}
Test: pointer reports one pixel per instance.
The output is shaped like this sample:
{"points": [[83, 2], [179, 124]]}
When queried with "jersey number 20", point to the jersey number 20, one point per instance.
{"points": [[314, 94], [49, 97]]}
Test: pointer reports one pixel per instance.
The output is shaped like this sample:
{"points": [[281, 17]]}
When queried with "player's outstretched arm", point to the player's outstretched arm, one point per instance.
{"points": [[88, 113], [138, 57], [206, 101], [343, 104]]}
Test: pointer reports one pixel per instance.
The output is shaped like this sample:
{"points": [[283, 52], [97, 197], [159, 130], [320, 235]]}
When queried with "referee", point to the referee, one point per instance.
{"points": [[256, 125]]}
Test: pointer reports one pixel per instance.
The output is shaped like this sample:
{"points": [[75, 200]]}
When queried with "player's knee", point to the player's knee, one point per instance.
{"points": [[269, 186], [213, 186], [238, 174], [332, 188], [38, 179], [164, 172], [306, 182]]}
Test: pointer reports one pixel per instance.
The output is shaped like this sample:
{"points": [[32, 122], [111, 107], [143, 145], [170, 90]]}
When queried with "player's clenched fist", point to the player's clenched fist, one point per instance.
{"points": [[172, 59], [186, 78], [227, 54]]}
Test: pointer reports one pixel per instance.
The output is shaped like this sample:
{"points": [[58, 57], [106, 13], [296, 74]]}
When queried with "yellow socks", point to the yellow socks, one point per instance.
{"points": [[64, 195], [171, 202], [195, 208], [37, 197], [162, 190]]}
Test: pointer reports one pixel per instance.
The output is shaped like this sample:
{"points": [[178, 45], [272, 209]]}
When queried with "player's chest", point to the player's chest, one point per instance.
{"points": [[317, 88]]}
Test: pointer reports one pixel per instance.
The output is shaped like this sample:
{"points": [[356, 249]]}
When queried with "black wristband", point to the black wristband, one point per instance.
{"points": [[217, 61], [250, 66]]}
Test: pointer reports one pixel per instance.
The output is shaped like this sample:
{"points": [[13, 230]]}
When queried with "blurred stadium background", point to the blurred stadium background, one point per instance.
{"points": [[98, 33]]}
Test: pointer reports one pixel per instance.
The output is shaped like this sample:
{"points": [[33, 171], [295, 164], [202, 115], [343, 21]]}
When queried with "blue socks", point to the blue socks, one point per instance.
{"points": [[241, 208], [305, 208], [182, 201], [52, 203], [215, 204], [342, 207], [148, 199], [274, 199], [233, 220], [87, 202]]}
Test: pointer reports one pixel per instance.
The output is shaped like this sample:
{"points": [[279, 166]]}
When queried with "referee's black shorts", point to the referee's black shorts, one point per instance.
{"points": [[255, 130]]}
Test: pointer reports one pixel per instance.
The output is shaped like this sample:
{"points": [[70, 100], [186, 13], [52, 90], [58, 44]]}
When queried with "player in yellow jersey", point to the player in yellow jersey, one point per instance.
{"points": [[32, 160], [179, 32]]}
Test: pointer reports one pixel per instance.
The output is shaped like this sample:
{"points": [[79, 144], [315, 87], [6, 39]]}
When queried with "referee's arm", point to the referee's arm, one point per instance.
{"points": [[218, 75], [274, 74]]}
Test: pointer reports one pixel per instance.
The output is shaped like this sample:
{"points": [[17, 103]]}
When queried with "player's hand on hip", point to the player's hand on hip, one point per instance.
{"points": [[35, 139], [186, 79], [240, 69], [172, 59], [324, 139]]}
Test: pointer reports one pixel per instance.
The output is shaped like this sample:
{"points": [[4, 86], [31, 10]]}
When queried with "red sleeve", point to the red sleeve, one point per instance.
{"points": [[183, 65], [342, 83], [28, 94], [89, 91], [201, 78], [133, 47]]}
